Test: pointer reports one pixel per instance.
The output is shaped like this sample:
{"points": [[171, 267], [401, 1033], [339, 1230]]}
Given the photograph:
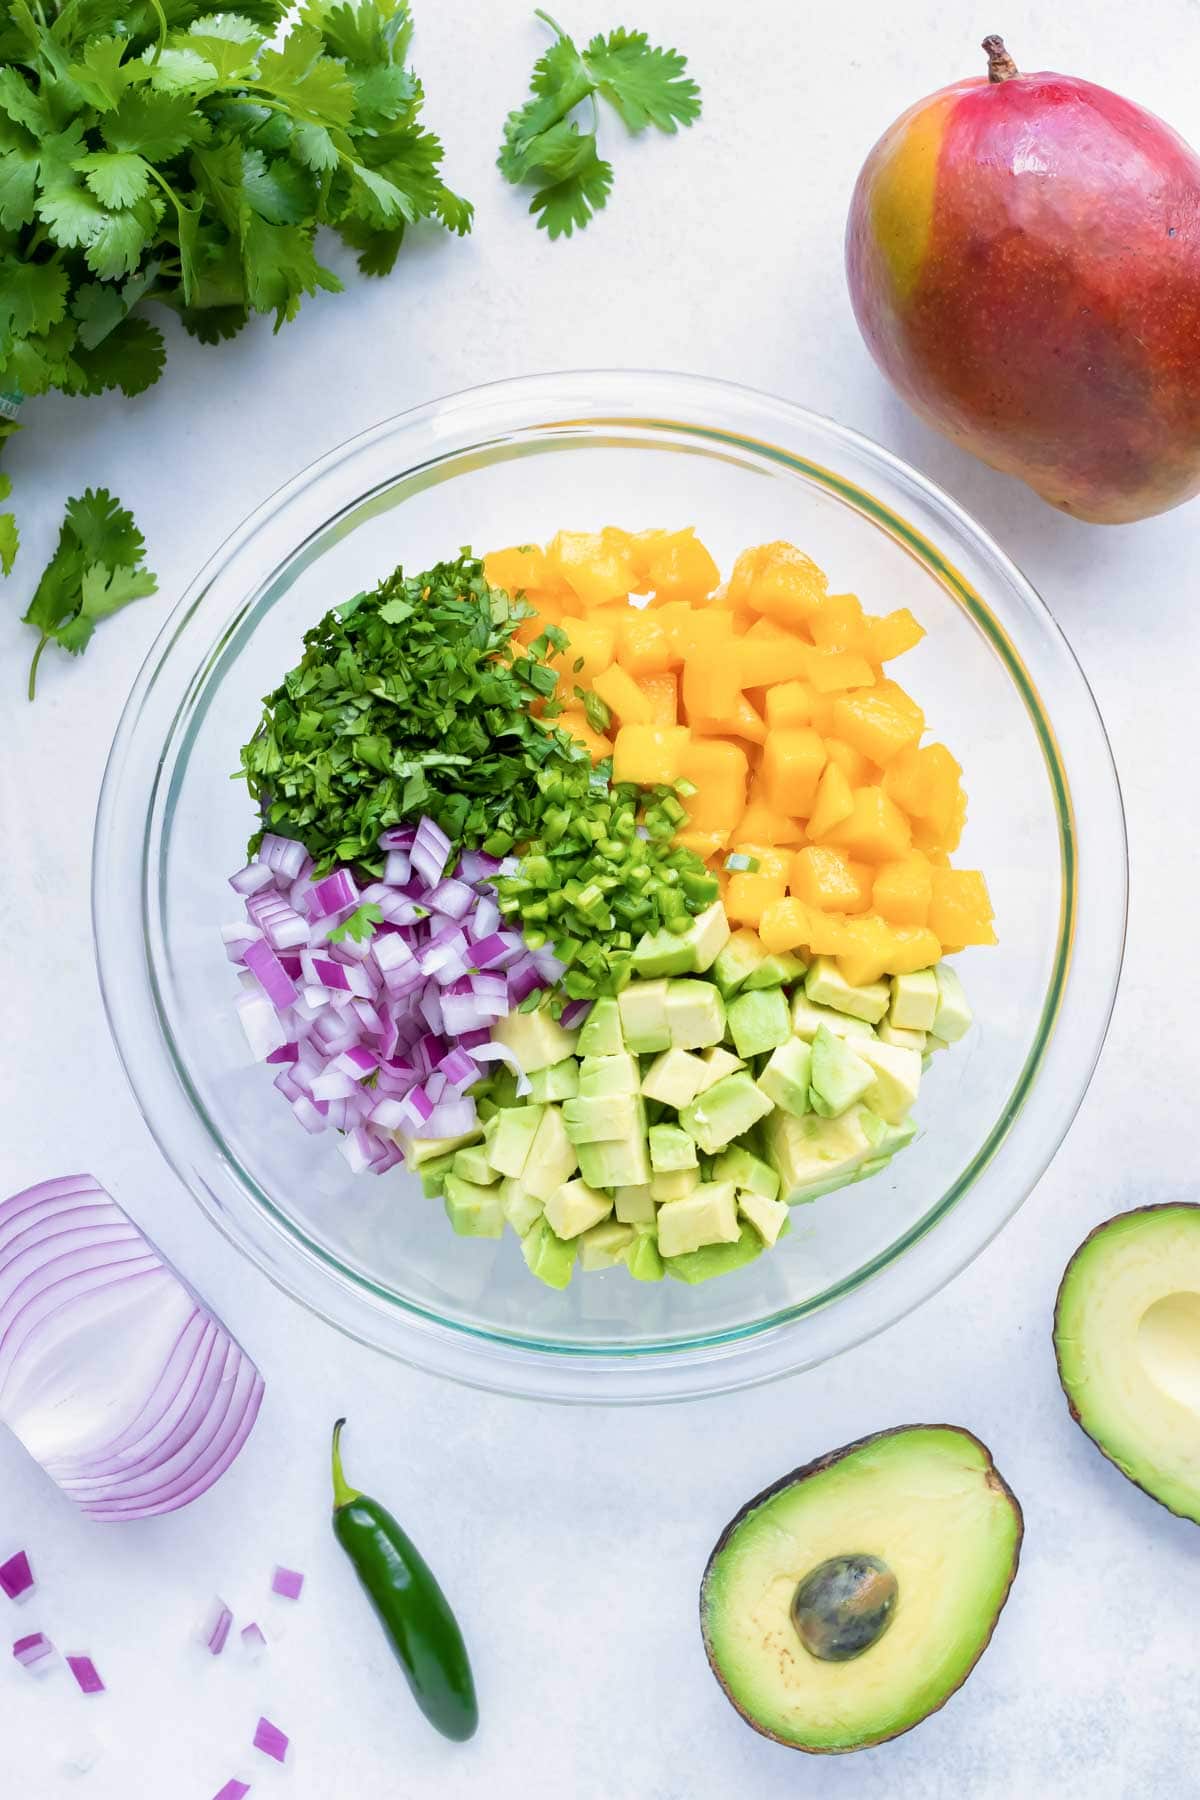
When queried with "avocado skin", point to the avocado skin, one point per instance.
{"points": [[820, 1463], [1134, 1212]]}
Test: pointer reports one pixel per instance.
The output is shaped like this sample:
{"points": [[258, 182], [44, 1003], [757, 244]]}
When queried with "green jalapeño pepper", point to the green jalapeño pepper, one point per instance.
{"points": [[411, 1606]]}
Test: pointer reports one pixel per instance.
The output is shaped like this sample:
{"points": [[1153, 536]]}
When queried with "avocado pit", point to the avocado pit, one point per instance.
{"points": [[1168, 1341], [843, 1606]]}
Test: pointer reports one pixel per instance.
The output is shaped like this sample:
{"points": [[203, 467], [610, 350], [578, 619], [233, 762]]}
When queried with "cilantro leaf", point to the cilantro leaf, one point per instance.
{"points": [[646, 85], [116, 177], [96, 570], [360, 925], [9, 539], [568, 204], [313, 84], [130, 357]]}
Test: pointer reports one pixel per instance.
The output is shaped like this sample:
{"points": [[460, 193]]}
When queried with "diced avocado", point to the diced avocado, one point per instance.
{"points": [[768, 1217], [643, 1007], [825, 985], [717, 1259], [625, 1162], [719, 1062], [602, 1076], [906, 1040], [893, 1093], [675, 1078], [786, 1078], [671, 1148], [642, 1258], [759, 1021], [840, 1077], [635, 1205], [604, 1246], [707, 936], [746, 1171], [558, 1082], [600, 1121], [737, 960], [471, 1164], [807, 1020], [695, 1014], [725, 1110], [549, 1258], [473, 1211], [914, 1001], [600, 1033], [535, 1039], [521, 1208], [779, 970], [662, 953], [887, 1139], [674, 1184], [510, 1136], [707, 1216], [953, 1017], [552, 1159], [575, 1207], [419, 1151], [811, 1152], [434, 1173]]}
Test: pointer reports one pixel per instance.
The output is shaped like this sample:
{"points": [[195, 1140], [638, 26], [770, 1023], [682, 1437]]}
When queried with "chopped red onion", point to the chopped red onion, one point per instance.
{"points": [[453, 899], [477, 865], [253, 1637], [459, 1069], [16, 1576], [430, 851], [398, 867], [85, 1672], [32, 1649], [233, 1790], [449, 1118], [287, 1583], [270, 1740], [277, 984], [334, 894], [288, 858], [216, 1629], [253, 878], [574, 1013], [493, 1052], [398, 837]]}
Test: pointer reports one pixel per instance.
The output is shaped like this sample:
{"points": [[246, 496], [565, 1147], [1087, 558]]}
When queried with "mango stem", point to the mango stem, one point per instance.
{"points": [[1001, 66]]}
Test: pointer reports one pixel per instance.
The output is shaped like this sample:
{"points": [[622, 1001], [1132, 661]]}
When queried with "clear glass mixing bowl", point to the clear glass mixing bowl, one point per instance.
{"points": [[510, 463]]}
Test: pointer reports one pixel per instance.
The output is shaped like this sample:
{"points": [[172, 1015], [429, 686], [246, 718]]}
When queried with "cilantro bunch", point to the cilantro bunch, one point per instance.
{"points": [[162, 152], [544, 145]]}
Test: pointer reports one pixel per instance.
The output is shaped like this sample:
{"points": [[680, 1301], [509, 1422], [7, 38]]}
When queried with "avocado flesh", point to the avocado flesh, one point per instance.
{"points": [[926, 1500], [1127, 1338]]}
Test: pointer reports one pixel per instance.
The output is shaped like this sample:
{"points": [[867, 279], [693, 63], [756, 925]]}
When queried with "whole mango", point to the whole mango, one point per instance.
{"points": [[1023, 254]]}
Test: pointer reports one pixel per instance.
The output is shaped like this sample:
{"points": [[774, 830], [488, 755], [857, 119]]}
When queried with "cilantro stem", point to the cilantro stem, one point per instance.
{"points": [[548, 20], [162, 32], [33, 667]]}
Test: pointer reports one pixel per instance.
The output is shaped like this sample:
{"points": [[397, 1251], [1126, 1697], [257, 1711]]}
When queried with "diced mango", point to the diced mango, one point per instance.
{"points": [[743, 722], [622, 695], [589, 644], [768, 654], [642, 643], [574, 721], [786, 584], [838, 623], [868, 944], [903, 890], [926, 783], [789, 703], [785, 925], [891, 635], [876, 830], [596, 566], [547, 610], [761, 823], [791, 769], [825, 878], [833, 671], [772, 859], [674, 565], [858, 769], [748, 896], [660, 694], [719, 770], [881, 722], [960, 912], [834, 801], [710, 688], [649, 755], [913, 947], [523, 569], [705, 843]]}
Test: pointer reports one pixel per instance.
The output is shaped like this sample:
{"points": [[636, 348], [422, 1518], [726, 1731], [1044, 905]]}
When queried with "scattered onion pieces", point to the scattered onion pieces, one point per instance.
{"points": [[288, 1583], [233, 1790], [32, 1649], [217, 1627], [270, 1740], [16, 1576], [134, 1398], [253, 1638], [85, 1672]]}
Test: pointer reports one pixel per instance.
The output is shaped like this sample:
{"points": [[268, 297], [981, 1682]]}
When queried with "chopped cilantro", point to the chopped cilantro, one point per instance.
{"points": [[360, 925]]}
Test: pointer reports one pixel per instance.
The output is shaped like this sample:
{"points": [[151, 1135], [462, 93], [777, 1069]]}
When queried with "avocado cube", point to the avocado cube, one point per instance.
{"points": [[914, 1001], [642, 1258], [888, 1140], [707, 935], [471, 1164], [737, 960], [635, 1205], [535, 1039], [433, 1175], [674, 1184], [671, 1148], [675, 1078], [695, 1014], [893, 1093], [707, 1216], [623, 1162], [520, 1207], [473, 1211], [840, 1077], [906, 1040], [953, 1017], [779, 970], [724, 1111], [643, 1008], [558, 1082], [603, 1076], [759, 1021], [815, 1153], [574, 1208], [662, 953], [825, 985], [747, 1172], [552, 1159], [420, 1152], [600, 1033], [509, 1137], [712, 1260], [604, 1246], [592, 1121], [768, 1217], [807, 1019], [549, 1258], [719, 1062], [786, 1078]]}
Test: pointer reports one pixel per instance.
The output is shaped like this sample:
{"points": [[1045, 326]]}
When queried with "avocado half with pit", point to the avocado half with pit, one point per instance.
{"points": [[847, 1602], [1127, 1339]]}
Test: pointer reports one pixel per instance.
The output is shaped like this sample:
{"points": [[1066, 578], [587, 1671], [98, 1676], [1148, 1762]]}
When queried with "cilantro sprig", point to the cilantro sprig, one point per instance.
{"points": [[543, 144], [97, 569], [360, 925]]}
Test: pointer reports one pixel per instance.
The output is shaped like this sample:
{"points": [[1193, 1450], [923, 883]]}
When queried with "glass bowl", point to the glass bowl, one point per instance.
{"points": [[506, 464]]}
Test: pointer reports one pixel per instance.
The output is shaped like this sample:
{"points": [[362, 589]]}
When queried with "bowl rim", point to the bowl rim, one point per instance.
{"points": [[738, 1356]]}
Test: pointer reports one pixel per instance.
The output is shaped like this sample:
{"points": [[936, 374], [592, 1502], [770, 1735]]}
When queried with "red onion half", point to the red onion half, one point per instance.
{"points": [[113, 1375]]}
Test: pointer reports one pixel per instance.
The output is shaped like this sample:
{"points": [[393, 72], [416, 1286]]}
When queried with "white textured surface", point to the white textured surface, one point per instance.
{"points": [[573, 1541]]}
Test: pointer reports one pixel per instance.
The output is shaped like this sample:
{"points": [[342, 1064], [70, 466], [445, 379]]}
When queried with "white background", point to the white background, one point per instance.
{"points": [[573, 1541]]}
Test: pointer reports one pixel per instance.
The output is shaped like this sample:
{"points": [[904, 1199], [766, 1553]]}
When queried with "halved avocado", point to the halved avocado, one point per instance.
{"points": [[847, 1602], [1127, 1339]]}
